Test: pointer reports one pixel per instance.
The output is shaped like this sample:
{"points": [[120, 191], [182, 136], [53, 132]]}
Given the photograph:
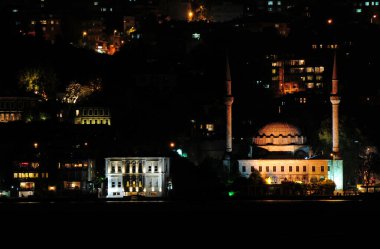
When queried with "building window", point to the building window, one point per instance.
{"points": [[290, 169], [150, 169], [252, 169], [322, 168], [297, 168], [113, 169], [313, 168], [282, 168], [304, 168], [274, 168], [260, 168], [119, 169], [113, 184], [267, 168], [243, 169], [328, 168], [155, 168], [84, 112], [119, 184]]}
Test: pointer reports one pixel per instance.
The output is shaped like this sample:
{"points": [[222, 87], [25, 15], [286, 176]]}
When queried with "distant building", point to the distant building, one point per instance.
{"points": [[296, 75], [29, 178], [131, 176], [48, 28], [15, 108], [93, 116], [76, 175]]}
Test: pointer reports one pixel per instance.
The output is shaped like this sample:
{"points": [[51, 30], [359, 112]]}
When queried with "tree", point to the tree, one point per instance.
{"points": [[369, 165], [351, 140], [41, 81], [256, 183]]}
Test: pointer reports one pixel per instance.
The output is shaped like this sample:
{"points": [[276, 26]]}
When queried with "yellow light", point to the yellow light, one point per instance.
{"points": [[84, 33], [35, 145], [190, 15], [172, 145], [52, 188], [268, 180], [330, 21]]}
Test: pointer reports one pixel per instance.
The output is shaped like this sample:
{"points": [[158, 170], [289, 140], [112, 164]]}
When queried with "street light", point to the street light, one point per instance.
{"points": [[330, 21], [373, 17]]}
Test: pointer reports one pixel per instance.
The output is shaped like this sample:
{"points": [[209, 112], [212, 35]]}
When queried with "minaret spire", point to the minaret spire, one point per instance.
{"points": [[229, 99], [335, 100]]}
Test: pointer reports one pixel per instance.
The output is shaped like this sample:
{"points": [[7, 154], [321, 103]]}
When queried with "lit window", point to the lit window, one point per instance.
{"points": [[273, 71], [278, 2], [210, 127], [270, 3], [96, 3], [366, 3], [358, 10]]}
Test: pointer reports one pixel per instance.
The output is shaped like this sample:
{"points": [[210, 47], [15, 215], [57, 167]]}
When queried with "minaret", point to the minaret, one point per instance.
{"points": [[335, 100], [229, 99]]}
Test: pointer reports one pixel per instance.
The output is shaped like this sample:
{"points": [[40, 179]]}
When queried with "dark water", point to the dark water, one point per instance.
{"points": [[276, 221]]}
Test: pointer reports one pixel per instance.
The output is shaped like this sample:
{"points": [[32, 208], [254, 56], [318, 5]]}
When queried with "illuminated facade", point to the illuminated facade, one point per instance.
{"points": [[29, 178], [284, 156], [131, 176], [76, 175], [15, 108], [93, 116], [296, 75]]}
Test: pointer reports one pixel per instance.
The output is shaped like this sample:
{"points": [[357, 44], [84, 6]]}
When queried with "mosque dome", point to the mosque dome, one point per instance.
{"points": [[279, 129], [279, 133]]}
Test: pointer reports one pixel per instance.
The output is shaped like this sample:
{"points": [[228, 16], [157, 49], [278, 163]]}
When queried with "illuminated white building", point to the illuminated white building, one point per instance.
{"points": [[131, 176]]}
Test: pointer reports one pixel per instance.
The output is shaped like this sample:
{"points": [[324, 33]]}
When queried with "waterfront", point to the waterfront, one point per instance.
{"points": [[283, 219]]}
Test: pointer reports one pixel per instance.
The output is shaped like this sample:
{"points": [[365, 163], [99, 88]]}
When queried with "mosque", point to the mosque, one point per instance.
{"points": [[285, 154]]}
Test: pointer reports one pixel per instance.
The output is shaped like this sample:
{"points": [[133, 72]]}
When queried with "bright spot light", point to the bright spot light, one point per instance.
{"points": [[231, 193], [172, 145], [330, 21]]}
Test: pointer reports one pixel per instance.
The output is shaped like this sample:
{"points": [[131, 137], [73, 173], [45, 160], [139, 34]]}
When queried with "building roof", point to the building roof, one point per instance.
{"points": [[279, 128]]}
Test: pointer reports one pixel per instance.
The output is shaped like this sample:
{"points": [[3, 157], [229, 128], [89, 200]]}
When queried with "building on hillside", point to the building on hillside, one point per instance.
{"points": [[93, 116], [143, 176], [16, 108]]}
